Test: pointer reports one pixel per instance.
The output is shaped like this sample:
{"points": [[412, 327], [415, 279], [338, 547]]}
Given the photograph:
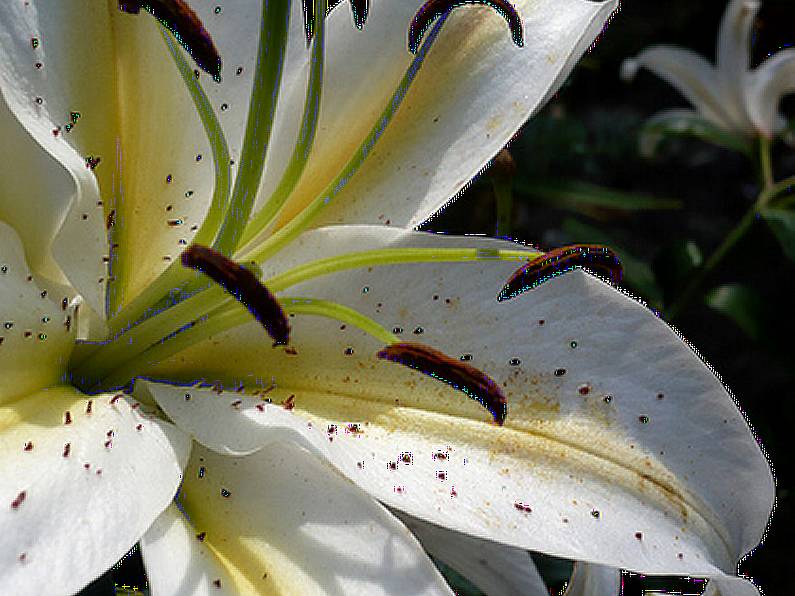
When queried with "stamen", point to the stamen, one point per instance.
{"points": [[186, 26], [468, 379], [243, 285], [433, 9], [593, 257]]}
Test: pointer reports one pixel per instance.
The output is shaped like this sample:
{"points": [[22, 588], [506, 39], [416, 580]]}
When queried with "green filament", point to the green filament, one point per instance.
{"points": [[303, 145], [391, 256], [262, 107], [226, 318]]}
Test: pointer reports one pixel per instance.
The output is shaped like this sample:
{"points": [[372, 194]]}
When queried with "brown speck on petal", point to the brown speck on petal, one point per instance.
{"points": [[217, 583], [593, 257], [19, 499], [523, 507], [639, 535], [289, 403], [89, 405], [116, 398], [468, 379], [67, 418], [66, 449], [200, 536], [186, 26], [28, 446], [244, 286], [432, 9]]}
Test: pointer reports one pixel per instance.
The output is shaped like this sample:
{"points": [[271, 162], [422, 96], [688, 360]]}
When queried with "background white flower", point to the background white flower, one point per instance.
{"points": [[729, 95]]}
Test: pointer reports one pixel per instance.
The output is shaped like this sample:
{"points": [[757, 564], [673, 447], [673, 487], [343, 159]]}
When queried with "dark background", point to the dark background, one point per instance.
{"points": [[589, 133]]}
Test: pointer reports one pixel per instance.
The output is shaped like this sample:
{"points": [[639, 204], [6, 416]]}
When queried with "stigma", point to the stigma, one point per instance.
{"points": [[594, 257], [467, 379], [244, 286]]}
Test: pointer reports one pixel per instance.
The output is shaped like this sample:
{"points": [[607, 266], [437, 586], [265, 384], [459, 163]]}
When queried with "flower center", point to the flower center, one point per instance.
{"points": [[181, 309]]}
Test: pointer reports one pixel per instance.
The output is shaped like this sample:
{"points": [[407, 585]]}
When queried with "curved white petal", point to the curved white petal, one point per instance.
{"points": [[76, 496], [731, 586], [589, 579], [47, 82], [496, 569], [766, 85], [36, 332], [280, 521], [690, 74], [734, 56], [177, 563], [650, 479], [471, 95]]}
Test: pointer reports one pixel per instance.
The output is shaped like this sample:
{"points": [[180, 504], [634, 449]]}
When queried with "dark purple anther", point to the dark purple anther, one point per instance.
{"points": [[468, 379], [244, 286], [593, 257]]}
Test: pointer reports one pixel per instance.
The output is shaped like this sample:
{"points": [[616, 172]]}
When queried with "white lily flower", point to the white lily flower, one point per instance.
{"points": [[730, 95], [621, 448]]}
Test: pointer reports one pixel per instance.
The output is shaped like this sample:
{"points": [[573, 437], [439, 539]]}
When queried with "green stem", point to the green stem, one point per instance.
{"points": [[770, 190], [503, 193]]}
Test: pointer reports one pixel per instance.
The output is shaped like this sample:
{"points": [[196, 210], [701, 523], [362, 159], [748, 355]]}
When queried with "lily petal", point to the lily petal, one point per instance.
{"points": [[690, 74], [80, 485], [473, 92], [654, 447], [731, 586], [593, 580], [496, 569], [48, 193], [734, 57], [179, 563], [280, 521], [766, 85], [36, 337]]}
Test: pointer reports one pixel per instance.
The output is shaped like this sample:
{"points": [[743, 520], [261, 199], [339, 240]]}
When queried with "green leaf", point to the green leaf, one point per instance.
{"points": [[674, 265], [637, 274], [782, 223], [741, 304], [574, 195], [673, 123]]}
